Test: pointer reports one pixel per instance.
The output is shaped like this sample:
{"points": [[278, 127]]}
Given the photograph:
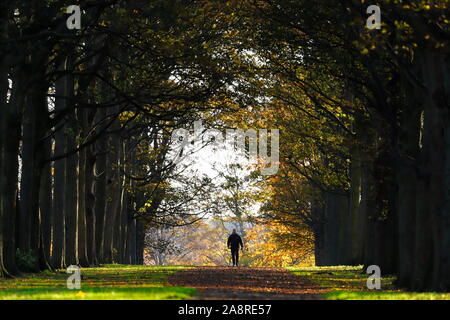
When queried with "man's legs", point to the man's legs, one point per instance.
{"points": [[232, 256], [235, 256]]}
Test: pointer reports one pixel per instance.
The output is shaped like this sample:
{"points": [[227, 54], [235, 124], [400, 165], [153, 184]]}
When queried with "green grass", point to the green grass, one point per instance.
{"points": [[109, 282], [349, 283]]}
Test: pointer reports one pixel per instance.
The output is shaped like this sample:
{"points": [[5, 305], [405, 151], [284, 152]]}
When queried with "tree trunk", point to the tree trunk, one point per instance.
{"points": [[331, 229], [140, 237], [118, 239], [344, 227], [45, 208], [90, 192], [406, 175], [317, 215], [131, 240], [10, 134], [124, 229], [356, 218], [90, 205], [5, 11], [433, 218], [386, 211], [9, 188], [100, 188], [71, 190], [113, 196], [3, 96], [59, 174], [82, 234], [35, 128], [367, 204], [124, 219]]}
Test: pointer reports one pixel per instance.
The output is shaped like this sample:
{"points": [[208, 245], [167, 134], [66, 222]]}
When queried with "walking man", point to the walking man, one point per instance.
{"points": [[233, 243]]}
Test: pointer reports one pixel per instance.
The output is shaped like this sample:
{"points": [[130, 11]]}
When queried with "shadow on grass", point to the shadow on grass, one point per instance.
{"points": [[350, 283], [109, 282]]}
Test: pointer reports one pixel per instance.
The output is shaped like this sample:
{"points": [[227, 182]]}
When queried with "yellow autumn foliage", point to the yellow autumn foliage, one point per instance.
{"points": [[274, 245]]}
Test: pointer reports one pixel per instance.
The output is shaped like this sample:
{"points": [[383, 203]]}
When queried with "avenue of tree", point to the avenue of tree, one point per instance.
{"points": [[86, 118]]}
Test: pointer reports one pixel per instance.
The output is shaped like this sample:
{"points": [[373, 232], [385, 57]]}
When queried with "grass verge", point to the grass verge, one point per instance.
{"points": [[109, 282], [349, 283]]}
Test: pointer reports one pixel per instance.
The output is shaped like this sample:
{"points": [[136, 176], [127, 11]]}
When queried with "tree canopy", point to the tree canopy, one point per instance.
{"points": [[87, 119]]}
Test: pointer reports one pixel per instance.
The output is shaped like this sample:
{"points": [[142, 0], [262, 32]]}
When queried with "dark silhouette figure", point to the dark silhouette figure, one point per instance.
{"points": [[233, 243]]}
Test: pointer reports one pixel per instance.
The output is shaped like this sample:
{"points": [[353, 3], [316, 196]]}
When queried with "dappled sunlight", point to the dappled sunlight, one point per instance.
{"points": [[349, 283], [247, 283], [107, 282]]}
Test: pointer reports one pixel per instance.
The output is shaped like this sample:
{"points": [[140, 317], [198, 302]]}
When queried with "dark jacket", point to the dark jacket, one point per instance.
{"points": [[234, 240]]}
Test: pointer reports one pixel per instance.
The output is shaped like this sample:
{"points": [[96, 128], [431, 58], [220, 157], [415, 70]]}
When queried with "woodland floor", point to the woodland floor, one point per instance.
{"points": [[231, 283]]}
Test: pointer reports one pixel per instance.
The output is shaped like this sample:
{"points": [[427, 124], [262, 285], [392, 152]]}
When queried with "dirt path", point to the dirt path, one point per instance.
{"points": [[231, 283]]}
